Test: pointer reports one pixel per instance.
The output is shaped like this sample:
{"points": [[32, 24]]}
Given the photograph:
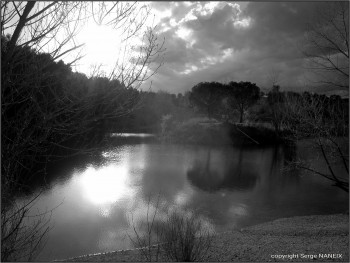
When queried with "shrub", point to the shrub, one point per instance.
{"points": [[185, 238], [174, 236]]}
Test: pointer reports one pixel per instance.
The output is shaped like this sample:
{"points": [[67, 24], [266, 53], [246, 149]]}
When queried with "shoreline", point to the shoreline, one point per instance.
{"points": [[301, 238]]}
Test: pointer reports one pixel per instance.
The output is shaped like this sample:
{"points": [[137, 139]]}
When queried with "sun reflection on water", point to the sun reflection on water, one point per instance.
{"points": [[105, 185]]}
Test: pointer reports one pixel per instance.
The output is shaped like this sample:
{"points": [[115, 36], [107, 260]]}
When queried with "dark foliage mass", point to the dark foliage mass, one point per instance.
{"points": [[243, 101], [207, 97], [49, 111], [218, 99]]}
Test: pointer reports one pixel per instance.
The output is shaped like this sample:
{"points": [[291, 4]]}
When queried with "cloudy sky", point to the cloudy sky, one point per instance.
{"points": [[233, 41]]}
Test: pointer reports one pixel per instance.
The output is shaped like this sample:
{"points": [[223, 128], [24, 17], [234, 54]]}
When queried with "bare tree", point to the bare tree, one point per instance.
{"points": [[327, 44], [48, 26], [275, 101], [274, 77], [51, 27], [23, 235], [145, 60], [325, 124], [149, 241]]}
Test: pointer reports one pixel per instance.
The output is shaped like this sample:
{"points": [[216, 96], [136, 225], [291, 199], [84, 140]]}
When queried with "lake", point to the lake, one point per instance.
{"points": [[229, 187]]}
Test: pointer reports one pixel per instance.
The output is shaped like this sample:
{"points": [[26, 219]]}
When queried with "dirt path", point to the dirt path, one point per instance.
{"points": [[306, 238]]}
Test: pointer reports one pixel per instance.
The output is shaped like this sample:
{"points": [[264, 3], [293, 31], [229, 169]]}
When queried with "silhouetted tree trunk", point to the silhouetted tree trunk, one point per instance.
{"points": [[241, 115]]}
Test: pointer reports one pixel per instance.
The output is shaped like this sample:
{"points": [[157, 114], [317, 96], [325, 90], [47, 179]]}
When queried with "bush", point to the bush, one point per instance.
{"points": [[179, 236], [185, 238]]}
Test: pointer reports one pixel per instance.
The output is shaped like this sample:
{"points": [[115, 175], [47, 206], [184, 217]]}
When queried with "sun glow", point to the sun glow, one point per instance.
{"points": [[102, 46], [108, 44], [105, 185]]}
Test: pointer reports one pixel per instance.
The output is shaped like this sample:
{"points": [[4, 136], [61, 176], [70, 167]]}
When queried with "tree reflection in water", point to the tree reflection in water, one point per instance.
{"points": [[235, 176]]}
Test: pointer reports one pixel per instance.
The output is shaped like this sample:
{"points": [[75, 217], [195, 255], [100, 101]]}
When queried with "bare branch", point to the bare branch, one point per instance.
{"points": [[327, 44]]}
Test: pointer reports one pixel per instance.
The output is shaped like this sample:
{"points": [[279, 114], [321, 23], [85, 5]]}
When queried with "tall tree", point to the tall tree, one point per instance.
{"points": [[242, 95], [207, 96], [275, 100]]}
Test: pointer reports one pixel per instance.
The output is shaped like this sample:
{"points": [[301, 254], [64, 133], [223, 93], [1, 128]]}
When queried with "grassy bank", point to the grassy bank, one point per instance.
{"points": [[304, 236], [211, 132]]}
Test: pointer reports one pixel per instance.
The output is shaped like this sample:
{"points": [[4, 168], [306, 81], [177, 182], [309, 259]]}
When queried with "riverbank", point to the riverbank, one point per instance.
{"points": [[213, 132], [303, 238]]}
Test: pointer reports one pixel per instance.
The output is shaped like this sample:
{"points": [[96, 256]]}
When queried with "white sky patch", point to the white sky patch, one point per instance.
{"points": [[227, 53], [208, 62], [190, 43], [159, 15], [189, 16], [201, 10], [189, 69], [164, 28], [173, 22], [207, 9], [243, 23], [183, 33], [188, 3], [235, 6], [212, 60]]}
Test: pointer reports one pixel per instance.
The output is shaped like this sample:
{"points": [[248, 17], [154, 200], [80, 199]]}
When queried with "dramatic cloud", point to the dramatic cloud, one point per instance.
{"points": [[224, 41]]}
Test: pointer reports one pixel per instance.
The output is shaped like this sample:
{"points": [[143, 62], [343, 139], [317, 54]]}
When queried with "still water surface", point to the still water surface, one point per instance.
{"points": [[229, 187]]}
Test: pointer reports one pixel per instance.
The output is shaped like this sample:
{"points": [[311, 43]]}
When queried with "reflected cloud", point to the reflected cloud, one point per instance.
{"points": [[183, 196], [239, 210]]}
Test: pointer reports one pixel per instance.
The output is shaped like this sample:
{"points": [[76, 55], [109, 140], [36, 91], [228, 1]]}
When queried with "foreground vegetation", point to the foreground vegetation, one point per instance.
{"points": [[181, 236]]}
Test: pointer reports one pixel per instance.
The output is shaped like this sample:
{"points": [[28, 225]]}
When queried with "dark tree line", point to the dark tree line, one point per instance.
{"points": [[219, 99], [152, 108], [306, 113], [48, 111]]}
